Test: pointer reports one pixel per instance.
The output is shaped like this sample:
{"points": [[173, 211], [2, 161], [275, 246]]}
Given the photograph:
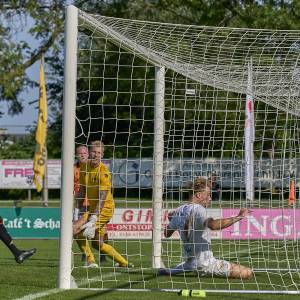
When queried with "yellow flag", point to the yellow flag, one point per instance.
{"points": [[40, 155]]}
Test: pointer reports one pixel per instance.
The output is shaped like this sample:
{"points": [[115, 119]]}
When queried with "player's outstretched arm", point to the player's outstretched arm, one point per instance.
{"points": [[220, 224]]}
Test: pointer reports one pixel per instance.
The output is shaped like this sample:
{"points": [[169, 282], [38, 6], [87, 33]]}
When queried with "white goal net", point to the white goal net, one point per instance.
{"points": [[174, 102]]}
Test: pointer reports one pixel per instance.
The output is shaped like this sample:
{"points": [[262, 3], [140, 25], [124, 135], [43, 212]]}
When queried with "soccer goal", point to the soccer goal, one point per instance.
{"points": [[173, 102]]}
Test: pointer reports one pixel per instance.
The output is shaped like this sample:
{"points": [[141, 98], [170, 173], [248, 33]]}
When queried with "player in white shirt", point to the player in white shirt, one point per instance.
{"points": [[194, 226]]}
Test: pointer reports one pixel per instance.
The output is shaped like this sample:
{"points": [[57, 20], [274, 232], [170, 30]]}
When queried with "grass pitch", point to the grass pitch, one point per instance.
{"points": [[37, 277]]}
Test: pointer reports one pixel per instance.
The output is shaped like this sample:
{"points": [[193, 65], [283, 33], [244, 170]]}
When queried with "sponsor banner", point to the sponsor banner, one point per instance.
{"points": [[134, 223], [266, 224], [230, 174], [137, 173], [32, 223], [18, 174]]}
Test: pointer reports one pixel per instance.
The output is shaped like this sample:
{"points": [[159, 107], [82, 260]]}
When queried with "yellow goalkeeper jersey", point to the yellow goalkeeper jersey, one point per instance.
{"points": [[96, 179]]}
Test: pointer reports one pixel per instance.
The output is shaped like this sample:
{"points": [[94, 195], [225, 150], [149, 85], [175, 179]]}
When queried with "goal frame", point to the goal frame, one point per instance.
{"points": [[68, 150], [68, 138], [68, 147]]}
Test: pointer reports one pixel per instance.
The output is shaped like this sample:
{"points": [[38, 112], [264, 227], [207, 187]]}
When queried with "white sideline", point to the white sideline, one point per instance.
{"points": [[55, 291]]}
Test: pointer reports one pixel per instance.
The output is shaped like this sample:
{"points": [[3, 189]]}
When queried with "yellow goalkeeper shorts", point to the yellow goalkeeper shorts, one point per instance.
{"points": [[104, 217]]}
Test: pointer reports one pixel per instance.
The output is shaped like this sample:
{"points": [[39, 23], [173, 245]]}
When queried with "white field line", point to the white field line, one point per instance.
{"points": [[56, 291]]}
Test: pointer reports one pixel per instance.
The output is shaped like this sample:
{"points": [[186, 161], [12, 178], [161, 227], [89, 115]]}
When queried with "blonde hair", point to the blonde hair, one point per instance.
{"points": [[199, 185], [96, 143], [81, 147]]}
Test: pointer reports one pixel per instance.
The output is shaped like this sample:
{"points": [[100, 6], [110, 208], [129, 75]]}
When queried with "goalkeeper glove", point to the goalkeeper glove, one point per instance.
{"points": [[89, 228]]}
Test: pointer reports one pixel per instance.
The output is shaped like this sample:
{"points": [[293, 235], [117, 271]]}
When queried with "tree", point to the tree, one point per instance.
{"points": [[47, 18], [21, 149], [17, 57], [43, 21], [252, 14]]}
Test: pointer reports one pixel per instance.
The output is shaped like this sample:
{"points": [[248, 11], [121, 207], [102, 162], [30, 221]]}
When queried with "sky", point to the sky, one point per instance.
{"points": [[19, 123]]}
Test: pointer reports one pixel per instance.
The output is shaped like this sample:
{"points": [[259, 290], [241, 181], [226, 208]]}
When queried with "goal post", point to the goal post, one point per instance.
{"points": [[172, 102], [249, 139], [158, 164], [68, 147]]}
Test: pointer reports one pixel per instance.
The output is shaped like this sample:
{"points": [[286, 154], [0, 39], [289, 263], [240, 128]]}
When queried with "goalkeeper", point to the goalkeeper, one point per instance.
{"points": [[194, 228], [95, 185]]}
